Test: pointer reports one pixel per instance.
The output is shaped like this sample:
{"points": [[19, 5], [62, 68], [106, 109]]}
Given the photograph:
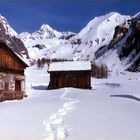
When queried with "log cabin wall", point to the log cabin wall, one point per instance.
{"points": [[77, 79], [8, 63], [12, 79]]}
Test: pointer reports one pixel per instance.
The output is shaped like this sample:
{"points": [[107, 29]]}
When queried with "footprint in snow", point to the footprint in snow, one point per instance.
{"points": [[54, 126]]}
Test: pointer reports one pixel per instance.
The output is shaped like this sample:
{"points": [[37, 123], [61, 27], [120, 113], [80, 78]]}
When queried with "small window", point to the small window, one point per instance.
{"points": [[6, 86], [17, 85]]}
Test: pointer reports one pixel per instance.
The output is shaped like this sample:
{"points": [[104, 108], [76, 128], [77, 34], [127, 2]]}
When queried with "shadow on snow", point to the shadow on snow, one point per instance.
{"points": [[113, 85], [40, 87], [127, 96]]}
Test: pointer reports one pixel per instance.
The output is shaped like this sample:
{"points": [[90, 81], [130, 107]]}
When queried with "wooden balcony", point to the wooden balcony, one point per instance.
{"points": [[11, 95]]}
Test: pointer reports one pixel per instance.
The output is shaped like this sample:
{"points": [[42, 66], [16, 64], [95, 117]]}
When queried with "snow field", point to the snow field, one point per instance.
{"points": [[110, 111], [55, 126]]}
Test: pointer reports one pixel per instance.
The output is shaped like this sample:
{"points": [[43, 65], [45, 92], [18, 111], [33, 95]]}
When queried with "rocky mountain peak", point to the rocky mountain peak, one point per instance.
{"points": [[47, 31], [6, 27], [10, 37], [46, 28]]}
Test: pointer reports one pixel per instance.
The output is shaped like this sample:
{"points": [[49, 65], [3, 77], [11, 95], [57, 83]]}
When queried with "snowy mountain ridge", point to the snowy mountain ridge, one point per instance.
{"points": [[98, 24], [49, 43], [44, 32], [40, 41]]}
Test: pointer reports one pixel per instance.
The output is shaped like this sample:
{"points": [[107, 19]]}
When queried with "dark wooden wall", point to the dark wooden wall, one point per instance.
{"points": [[9, 63], [77, 79]]}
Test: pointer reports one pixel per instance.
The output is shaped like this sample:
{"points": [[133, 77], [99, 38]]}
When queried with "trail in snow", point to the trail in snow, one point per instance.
{"points": [[55, 128]]}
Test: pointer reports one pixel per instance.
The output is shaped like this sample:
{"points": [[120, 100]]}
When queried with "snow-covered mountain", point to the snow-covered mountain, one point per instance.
{"points": [[39, 42], [112, 39], [6, 26], [124, 49], [97, 33], [10, 37], [49, 43]]}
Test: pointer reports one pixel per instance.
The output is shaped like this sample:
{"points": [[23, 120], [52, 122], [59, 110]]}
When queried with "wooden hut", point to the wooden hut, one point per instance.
{"points": [[12, 79], [70, 74]]}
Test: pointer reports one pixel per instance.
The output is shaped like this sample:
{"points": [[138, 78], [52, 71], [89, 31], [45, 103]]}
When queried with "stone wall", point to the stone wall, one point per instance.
{"points": [[8, 92]]}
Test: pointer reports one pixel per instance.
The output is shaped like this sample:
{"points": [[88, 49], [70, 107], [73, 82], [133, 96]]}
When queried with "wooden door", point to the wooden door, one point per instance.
{"points": [[17, 85]]}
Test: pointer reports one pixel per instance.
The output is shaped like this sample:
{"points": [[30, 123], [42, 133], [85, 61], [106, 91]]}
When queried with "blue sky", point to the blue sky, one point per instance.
{"points": [[63, 15]]}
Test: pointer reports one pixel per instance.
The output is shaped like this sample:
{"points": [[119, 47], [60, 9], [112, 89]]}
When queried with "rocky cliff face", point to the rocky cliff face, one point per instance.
{"points": [[10, 37], [126, 44], [132, 45]]}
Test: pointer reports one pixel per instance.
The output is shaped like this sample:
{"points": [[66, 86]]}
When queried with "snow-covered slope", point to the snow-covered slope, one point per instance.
{"points": [[124, 49], [101, 27], [97, 33]]}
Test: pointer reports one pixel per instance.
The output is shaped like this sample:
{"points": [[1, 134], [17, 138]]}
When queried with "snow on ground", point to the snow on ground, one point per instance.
{"points": [[110, 111]]}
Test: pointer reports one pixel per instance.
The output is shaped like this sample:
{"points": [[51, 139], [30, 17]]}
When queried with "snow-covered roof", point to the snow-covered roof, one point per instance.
{"points": [[70, 66]]}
